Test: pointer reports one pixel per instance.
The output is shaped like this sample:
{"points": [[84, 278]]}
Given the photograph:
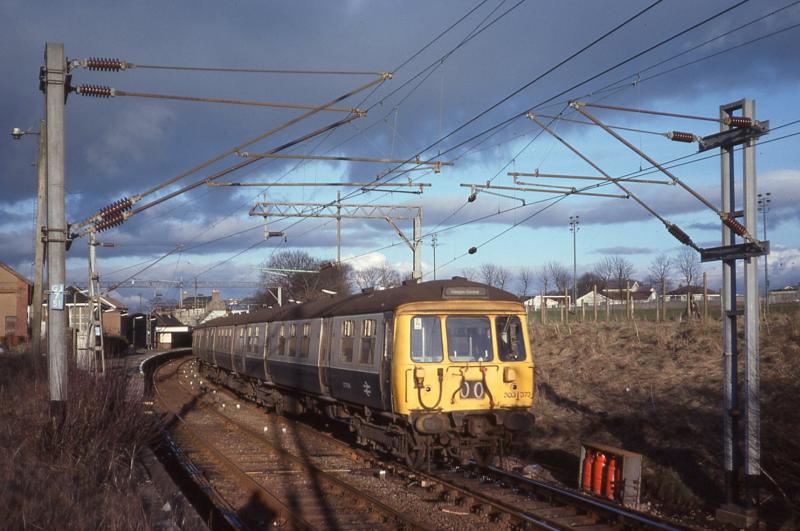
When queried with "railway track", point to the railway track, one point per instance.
{"points": [[263, 484], [293, 473]]}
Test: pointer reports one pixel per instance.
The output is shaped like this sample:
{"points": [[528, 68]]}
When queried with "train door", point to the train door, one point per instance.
{"points": [[325, 354], [212, 344]]}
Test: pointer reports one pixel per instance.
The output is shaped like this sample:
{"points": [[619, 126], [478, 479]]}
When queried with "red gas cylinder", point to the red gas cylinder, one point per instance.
{"points": [[586, 479], [597, 473], [611, 479]]}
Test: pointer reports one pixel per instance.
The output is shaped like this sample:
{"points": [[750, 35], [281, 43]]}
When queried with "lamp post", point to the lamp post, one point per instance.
{"points": [[41, 220], [764, 201], [574, 222]]}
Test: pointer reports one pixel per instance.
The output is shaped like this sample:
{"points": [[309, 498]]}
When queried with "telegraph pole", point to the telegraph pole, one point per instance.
{"points": [[574, 221], [53, 81], [764, 201], [434, 245]]}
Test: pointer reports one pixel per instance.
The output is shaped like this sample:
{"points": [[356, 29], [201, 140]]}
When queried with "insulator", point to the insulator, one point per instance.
{"points": [[104, 64], [473, 250], [120, 205], [740, 121], [734, 225], [97, 91], [107, 223], [679, 234], [680, 136]]}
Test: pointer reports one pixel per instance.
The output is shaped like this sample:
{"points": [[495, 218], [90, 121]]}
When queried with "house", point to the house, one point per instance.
{"points": [[680, 293], [204, 302], [112, 314], [170, 332], [616, 295], [16, 292], [535, 303]]}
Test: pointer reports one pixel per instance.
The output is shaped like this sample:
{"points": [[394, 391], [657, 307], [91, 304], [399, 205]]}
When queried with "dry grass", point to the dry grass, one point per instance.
{"points": [[78, 476], [656, 389]]}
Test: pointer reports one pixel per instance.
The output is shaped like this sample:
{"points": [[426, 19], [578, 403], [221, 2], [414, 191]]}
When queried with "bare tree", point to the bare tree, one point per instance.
{"points": [[303, 286], [604, 269], [622, 270], [559, 274], [544, 279], [494, 275], [688, 264], [659, 271], [380, 276], [587, 281], [524, 280]]}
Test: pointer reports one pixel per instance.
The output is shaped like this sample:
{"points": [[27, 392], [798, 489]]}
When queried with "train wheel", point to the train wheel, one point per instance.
{"points": [[414, 457], [483, 455]]}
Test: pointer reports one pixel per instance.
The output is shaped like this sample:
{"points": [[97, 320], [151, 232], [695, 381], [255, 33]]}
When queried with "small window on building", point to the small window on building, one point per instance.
{"points": [[426, 339], [305, 343], [347, 342], [367, 351]]}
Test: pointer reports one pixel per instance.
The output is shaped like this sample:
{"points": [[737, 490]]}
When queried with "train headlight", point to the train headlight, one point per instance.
{"points": [[509, 375]]}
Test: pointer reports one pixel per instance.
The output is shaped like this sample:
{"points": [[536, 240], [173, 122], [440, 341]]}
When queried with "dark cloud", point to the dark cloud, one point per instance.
{"points": [[123, 146]]}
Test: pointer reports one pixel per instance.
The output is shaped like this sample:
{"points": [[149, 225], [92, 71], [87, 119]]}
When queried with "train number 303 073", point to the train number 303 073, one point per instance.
{"points": [[518, 394]]}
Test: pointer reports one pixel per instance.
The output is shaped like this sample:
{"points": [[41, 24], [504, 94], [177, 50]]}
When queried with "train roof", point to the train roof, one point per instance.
{"points": [[372, 302]]}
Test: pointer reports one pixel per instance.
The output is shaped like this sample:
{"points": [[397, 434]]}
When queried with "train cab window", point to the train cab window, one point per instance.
{"points": [[469, 339], [305, 343], [510, 340], [367, 351], [293, 340], [426, 339], [346, 352]]}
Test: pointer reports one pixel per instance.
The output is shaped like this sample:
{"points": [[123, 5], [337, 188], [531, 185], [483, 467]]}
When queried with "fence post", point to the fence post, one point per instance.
{"points": [[565, 313], [608, 312], [688, 302], [583, 311], [628, 300], [705, 297], [542, 308], [658, 303], [594, 300]]}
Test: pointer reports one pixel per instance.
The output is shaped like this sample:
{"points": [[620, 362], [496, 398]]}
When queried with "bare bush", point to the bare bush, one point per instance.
{"points": [[79, 474]]}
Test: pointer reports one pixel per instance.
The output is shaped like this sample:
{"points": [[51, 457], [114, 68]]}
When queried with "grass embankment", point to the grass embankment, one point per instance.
{"points": [[656, 389], [80, 475]]}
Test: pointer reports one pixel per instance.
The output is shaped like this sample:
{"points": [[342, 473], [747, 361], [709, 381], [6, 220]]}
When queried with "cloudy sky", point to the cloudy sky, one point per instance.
{"points": [[461, 72]]}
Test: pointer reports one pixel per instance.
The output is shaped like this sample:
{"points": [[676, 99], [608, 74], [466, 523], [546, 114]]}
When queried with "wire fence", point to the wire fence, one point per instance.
{"points": [[699, 308]]}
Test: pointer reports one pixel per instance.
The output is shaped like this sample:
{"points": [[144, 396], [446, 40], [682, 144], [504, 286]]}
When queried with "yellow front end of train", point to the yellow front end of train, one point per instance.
{"points": [[462, 357]]}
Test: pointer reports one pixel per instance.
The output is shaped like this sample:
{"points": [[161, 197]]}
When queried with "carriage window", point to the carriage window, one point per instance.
{"points": [[346, 352], [426, 339], [367, 351], [292, 340], [469, 339], [306, 341], [510, 341], [281, 346]]}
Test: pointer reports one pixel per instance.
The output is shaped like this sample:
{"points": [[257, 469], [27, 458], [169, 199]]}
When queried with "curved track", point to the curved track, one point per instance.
{"points": [[260, 481], [276, 453]]}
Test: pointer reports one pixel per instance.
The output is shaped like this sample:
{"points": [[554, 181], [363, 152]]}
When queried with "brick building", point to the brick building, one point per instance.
{"points": [[15, 297]]}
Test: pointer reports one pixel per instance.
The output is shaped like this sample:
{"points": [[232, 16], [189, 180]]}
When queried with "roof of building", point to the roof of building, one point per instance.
{"points": [[623, 295], [19, 276], [165, 320], [372, 302], [696, 290]]}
